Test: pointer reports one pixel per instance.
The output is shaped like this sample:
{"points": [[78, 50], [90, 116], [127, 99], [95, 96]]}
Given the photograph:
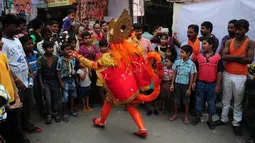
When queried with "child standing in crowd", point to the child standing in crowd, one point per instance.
{"points": [[103, 45], [87, 50], [69, 20], [166, 82], [164, 49], [182, 80], [67, 79], [152, 105], [32, 56], [210, 68], [48, 79], [161, 49], [171, 52], [85, 86], [28, 99], [73, 42]]}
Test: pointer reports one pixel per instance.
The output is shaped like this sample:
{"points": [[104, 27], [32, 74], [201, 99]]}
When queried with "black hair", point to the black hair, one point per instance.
{"points": [[47, 44], [86, 34], [71, 38], [45, 30], [54, 22], [65, 45], [103, 43], [154, 28], [170, 58], [137, 26], [9, 19], [70, 11], [146, 27], [164, 35], [232, 21], [210, 41], [22, 21], [173, 52], [242, 23], [187, 49], [96, 24], [194, 27], [208, 25], [24, 39], [103, 22]]}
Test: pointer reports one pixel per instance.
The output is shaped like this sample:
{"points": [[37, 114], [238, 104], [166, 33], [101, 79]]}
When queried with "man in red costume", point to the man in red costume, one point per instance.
{"points": [[124, 64]]}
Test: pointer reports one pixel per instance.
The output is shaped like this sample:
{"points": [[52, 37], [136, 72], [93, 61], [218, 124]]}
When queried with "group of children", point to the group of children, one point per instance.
{"points": [[183, 77], [62, 72]]}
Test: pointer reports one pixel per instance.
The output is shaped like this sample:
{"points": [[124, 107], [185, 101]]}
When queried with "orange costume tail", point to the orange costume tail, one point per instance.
{"points": [[156, 78]]}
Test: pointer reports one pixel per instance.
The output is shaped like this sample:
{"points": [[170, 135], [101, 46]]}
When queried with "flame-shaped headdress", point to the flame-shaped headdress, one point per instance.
{"points": [[119, 29]]}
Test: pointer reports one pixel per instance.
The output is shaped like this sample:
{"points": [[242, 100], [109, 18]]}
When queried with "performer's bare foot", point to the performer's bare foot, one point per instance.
{"points": [[141, 133], [97, 123]]}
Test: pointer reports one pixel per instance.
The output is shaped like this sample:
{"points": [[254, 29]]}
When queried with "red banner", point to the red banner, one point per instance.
{"points": [[93, 9]]}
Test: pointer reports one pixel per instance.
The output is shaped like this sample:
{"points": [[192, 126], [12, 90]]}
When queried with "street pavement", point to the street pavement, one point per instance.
{"points": [[120, 127]]}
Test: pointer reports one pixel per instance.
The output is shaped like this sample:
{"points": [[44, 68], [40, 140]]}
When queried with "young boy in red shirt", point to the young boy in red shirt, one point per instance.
{"points": [[208, 80]]}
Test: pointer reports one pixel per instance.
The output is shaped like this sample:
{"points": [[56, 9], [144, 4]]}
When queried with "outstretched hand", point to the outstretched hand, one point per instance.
{"points": [[74, 54]]}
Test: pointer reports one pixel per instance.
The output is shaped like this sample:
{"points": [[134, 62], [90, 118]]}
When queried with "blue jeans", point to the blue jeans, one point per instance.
{"points": [[69, 87], [205, 92]]}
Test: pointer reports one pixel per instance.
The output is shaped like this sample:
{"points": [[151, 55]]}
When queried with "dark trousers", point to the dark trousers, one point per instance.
{"points": [[26, 97], [38, 96], [192, 104], [11, 129], [52, 97]]}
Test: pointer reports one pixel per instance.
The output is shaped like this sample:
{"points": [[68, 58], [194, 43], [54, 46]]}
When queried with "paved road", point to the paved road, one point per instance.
{"points": [[120, 127]]}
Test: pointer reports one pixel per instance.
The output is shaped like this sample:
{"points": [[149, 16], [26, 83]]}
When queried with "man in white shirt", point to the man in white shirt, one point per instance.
{"points": [[21, 70], [13, 49]]}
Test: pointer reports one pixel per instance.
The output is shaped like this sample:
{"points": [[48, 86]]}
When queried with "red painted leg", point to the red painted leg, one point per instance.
{"points": [[100, 122], [138, 120]]}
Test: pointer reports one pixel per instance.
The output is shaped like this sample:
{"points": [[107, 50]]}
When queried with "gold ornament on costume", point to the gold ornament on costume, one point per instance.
{"points": [[119, 29]]}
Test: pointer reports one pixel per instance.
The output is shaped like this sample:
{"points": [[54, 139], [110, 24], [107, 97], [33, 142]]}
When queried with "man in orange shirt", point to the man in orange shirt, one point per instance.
{"points": [[193, 41], [237, 54]]}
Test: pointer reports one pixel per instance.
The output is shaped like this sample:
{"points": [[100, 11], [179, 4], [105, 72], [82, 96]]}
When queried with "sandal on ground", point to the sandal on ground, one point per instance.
{"points": [[186, 121], [75, 114], [48, 120], [34, 130], [66, 118], [89, 109], [156, 113], [57, 118], [84, 109], [162, 113], [148, 113], [174, 117]]}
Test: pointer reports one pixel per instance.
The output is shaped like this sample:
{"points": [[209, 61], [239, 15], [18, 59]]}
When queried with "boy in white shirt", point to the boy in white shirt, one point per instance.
{"points": [[85, 86]]}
